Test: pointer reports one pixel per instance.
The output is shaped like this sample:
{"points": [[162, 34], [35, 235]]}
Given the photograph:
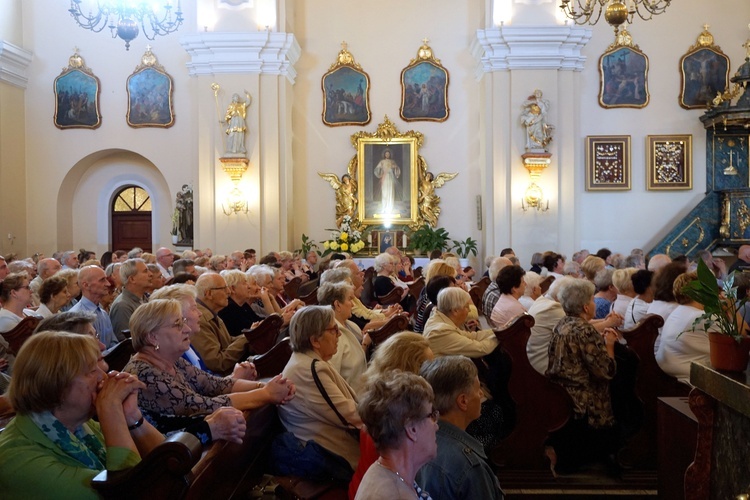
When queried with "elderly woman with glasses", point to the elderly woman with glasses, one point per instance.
{"points": [[397, 410], [15, 295], [174, 387], [386, 267], [322, 421]]}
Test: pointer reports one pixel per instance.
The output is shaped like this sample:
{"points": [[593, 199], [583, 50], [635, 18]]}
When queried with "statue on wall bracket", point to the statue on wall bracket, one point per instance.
{"points": [[387, 182], [234, 159]]}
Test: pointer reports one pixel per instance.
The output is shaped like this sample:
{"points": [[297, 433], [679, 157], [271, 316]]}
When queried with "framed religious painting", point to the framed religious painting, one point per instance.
{"points": [[387, 164], [77, 96], [608, 163], [704, 72], [346, 92], [424, 88], [623, 71], [150, 92], [670, 162]]}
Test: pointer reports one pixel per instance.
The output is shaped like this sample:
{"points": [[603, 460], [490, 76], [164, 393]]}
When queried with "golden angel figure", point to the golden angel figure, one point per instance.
{"points": [[236, 127], [429, 202], [346, 199]]}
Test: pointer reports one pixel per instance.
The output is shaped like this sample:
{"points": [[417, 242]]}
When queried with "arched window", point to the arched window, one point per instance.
{"points": [[131, 219], [132, 199]]}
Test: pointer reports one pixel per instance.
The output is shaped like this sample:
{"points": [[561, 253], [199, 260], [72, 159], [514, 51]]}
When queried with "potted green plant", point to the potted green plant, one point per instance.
{"points": [[729, 345], [426, 239], [463, 248]]}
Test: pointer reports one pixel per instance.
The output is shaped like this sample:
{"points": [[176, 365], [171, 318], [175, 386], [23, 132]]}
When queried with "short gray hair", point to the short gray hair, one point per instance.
{"points": [[180, 291], [328, 293], [129, 268], [603, 279], [383, 260], [135, 253], [262, 273], [497, 265], [335, 275], [308, 323], [451, 299], [233, 276], [573, 295], [449, 377], [180, 265]]}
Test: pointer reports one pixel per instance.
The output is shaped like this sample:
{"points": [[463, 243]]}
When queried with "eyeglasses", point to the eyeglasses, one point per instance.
{"points": [[179, 324], [335, 328], [434, 415]]}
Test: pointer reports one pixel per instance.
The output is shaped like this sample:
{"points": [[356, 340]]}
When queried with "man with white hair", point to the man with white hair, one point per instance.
{"points": [[135, 253], [94, 287], [235, 260], [164, 259], [45, 268], [136, 280], [743, 260], [660, 260], [69, 260], [492, 294], [213, 343]]}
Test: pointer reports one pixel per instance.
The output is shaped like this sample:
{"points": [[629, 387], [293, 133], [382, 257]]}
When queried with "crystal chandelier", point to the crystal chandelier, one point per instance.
{"points": [[123, 17], [615, 12]]}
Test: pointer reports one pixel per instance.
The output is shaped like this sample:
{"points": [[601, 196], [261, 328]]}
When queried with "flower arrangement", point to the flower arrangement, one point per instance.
{"points": [[345, 238]]}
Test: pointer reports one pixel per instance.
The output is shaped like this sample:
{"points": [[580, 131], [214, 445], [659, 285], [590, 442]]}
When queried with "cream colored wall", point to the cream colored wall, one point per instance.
{"points": [[13, 208], [383, 39], [10, 21], [639, 218], [287, 197]]}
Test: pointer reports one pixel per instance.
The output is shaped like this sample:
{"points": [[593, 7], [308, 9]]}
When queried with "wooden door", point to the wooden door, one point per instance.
{"points": [[131, 220]]}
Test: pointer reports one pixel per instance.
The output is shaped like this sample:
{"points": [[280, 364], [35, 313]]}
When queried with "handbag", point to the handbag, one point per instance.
{"points": [[353, 431]]}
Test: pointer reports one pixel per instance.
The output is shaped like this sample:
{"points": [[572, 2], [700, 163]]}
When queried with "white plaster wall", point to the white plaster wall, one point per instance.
{"points": [[10, 21], [639, 218], [383, 38]]}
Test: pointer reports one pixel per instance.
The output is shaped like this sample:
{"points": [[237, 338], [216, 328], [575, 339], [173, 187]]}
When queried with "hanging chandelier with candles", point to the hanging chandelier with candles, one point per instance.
{"points": [[615, 12], [126, 18]]}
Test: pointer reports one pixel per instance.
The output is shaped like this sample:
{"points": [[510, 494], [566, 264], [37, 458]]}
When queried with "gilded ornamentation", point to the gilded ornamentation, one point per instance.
{"points": [[77, 92], [724, 231], [670, 162], [743, 218], [424, 88], [346, 92], [414, 206]]}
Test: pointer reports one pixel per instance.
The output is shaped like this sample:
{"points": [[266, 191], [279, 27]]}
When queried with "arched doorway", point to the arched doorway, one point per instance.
{"points": [[131, 219]]}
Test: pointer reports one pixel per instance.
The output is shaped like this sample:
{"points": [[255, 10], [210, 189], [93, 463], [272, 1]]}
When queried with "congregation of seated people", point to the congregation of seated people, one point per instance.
{"points": [[416, 414]]}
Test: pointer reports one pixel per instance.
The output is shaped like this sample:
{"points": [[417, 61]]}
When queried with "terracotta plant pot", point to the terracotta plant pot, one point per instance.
{"points": [[727, 354]]}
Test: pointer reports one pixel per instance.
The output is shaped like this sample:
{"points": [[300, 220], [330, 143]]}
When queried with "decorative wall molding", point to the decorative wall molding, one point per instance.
{"points": [[530, 47], [14, 61], [263, 52]]}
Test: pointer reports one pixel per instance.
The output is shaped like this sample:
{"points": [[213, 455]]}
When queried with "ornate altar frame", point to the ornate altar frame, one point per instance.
{"points": [[418, 205]]}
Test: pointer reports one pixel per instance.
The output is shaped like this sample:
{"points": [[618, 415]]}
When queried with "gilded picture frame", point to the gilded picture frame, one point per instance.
{"points": [[670, 162], [346, 92], [424, 88], [77, 92], [623, 72], [704, 72], [150, 90], [608, 163]]}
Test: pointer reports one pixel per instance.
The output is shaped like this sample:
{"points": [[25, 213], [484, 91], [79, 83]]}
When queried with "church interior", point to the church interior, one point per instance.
{"points": [[249, 124]]}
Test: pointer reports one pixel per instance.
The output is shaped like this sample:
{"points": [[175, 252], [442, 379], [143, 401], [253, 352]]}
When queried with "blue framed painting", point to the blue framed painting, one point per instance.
{"points": [[704, 72], [346, 92], [150, 91], [424, 88], [623, 78], [77, 96]]}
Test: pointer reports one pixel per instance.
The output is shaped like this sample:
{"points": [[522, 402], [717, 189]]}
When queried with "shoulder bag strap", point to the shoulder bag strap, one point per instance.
{"points": [[325, 394]]}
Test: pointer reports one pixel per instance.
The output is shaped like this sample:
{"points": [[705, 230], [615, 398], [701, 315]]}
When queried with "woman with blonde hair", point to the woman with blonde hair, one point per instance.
{"points": [[622, 279], [405, 351]]}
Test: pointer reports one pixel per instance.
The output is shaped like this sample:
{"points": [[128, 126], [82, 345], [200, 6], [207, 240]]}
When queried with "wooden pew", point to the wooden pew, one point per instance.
{"points": [[273, 362], [415, 288], [118, 357], [651, 383], [291, 288], [396, 323], [541, 408], [392, 297], [307, 287], [22, 331], [178, 468], [264, 336], [476, 292], [368, 297], [311, 299]]}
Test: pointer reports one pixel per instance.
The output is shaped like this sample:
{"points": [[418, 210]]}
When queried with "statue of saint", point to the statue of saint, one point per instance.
{"points": [[236, 127], [534, 118]]}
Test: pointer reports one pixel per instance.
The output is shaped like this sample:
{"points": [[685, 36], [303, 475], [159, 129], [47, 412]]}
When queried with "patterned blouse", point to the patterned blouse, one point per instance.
{"points": [[190, 391], [579, 362]]}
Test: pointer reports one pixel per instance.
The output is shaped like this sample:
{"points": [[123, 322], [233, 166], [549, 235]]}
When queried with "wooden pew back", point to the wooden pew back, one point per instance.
{"points": [[264, 336], [20, 333]]}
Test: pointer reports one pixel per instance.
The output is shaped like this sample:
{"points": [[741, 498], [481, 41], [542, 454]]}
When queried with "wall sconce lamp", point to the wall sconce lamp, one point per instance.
{"points": [[533, 198], [236, 202]]}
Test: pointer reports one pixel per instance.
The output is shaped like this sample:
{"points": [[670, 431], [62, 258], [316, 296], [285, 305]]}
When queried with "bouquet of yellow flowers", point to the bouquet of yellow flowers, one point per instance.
{"points": [[344, 239]]}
